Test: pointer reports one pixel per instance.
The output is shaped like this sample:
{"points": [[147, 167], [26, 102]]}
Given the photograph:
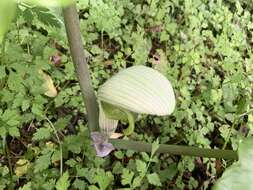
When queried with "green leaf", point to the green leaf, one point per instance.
{"points": [[154, 179], [13, 131], [141, 166], [139, 89], [61, 123], [137, 181], [42, 162], [3, 130], [25, 105], [27, 15], [141, 46], [37, 109], [127, 176], [161, 64], [89, 174], [11, 117], [79, 184], [2, 72], [27, 186], [56, 156], [155, 146], [106, 17], [46, 17], [240, 174], [74, 143], [93, 187], [168, 173], [49, 185], [63, 183], [71, 162], [7, 13], [41, 134], [230, 93], [104, 179], [145, 156], [119, 154], [117, 168]]}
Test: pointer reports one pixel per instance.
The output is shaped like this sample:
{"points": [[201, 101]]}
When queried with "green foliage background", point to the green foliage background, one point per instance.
{"points": [[203, 47]]}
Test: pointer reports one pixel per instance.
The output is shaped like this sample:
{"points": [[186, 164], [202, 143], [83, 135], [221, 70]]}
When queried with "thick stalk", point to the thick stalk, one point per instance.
{"points": [[174, 149], [71, 21]]}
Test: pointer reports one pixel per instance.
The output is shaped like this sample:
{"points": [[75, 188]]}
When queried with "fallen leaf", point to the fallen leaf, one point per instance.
{"points": [[22, 167], [48, 85], [116, 135]]}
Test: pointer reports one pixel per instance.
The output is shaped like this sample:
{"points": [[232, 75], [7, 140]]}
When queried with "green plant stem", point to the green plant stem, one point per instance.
{"points": [[233, 126], [228, 136], [149, 162], [3, 49], [174, 149], [7, 154], [60, 145], [71, 21], [246, 113], [130, 129], [102, 39]]}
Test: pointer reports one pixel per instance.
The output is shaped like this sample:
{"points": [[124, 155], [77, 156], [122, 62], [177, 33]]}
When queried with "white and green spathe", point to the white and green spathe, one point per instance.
{"points": [[132, 91]]}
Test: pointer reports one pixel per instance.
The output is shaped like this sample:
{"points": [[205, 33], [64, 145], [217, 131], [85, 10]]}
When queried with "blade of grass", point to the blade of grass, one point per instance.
{"points": [[59, 142]]}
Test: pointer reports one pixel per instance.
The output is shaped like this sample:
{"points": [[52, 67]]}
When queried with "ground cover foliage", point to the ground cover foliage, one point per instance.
{"points": [[203, 47]]}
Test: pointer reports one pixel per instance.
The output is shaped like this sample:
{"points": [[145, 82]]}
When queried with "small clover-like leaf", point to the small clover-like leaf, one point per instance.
{"points": [[63, 183], [42, 133], [154, 179], [127, 176]]}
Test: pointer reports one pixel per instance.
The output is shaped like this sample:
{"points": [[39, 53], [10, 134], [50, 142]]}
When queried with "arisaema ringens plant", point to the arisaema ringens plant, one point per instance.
{"points": [[135, 90]]}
